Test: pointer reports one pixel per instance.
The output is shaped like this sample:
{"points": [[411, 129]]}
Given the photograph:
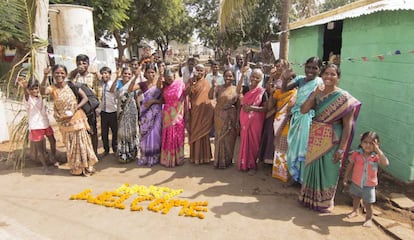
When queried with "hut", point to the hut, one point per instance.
{"points": [[374, 41]]}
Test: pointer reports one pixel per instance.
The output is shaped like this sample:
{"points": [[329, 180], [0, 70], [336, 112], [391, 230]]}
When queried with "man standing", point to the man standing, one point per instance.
{"points": [[215, 74], [107, 111], [188, 71], [237, 71], [82, 75]]}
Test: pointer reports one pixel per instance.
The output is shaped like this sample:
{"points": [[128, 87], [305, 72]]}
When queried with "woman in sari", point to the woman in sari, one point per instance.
{"points": [[127, 117], [72, 121], [284, 102], [331, 134], [267, 147], [252, 117], [172, 146], [150, 119], [267, 144], [226, 120], [200, 117], [300, 122]]}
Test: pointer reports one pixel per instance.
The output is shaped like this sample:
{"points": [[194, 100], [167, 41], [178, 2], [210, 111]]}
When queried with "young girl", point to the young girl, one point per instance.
{"points": [[364, 166], [38, 122]]}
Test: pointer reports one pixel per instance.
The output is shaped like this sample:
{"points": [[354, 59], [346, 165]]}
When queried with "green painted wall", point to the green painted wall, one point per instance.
{"points": [[302, 46], [385, 88]]}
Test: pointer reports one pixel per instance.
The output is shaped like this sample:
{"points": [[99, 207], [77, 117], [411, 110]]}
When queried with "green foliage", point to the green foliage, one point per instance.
{"points": [[332, 4], [16, 22], [257, 23], [263, 23], [302, 9], [17, 19], [206, 22], [159, 20]]}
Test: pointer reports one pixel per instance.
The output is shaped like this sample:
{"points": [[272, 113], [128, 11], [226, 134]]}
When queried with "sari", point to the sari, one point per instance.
{"points": [[74, 129], [127, 123], [321, 172], [251, 124], [225, 120], [150, 128], [267, 147], [281, 123], [299, 128], [201, 121], [172, 146]]}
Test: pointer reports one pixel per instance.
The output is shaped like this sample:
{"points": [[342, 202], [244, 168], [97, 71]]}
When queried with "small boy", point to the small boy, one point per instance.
{"points": [[107, 110], [38, 122]]}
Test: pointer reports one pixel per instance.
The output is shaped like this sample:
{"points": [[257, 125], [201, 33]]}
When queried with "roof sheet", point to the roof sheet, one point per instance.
{"points": [[356, 9]]}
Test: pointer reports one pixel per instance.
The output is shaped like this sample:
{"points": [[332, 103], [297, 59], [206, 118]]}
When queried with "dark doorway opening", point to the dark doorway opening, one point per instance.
{"points": [[332, 42]]}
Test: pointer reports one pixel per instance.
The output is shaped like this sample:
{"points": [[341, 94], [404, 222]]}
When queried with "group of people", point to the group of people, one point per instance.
{"points": [[303, 125]]}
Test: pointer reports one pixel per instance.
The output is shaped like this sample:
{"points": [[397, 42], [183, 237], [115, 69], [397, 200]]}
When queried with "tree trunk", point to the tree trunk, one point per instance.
{"points": [[41, 30], [284, 36]]}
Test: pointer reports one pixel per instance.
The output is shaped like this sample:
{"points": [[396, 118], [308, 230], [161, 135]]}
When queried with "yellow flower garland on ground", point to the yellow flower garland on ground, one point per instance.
{"points": [[160, 197]]}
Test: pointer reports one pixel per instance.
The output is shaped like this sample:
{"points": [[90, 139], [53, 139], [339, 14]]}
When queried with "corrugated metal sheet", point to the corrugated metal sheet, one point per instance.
{"points": [[344, 13]]}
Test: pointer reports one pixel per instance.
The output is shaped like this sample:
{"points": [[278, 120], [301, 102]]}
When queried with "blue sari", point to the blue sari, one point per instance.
{"points": [[299, 128]]}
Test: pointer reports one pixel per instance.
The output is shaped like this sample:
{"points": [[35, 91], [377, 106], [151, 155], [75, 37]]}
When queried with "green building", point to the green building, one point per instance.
{"points": [[375, 42]]}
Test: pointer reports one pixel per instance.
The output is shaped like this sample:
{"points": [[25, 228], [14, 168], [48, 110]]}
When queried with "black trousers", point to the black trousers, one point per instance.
{"points": [[93, 132], [109, 121]]}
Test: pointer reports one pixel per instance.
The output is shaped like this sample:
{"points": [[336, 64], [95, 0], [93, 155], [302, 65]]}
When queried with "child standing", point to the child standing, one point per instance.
{"points": [[364, 167], [38, 122], [107, 110]]}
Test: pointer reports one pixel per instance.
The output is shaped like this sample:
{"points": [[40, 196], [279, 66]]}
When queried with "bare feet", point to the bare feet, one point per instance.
{"points": [[352, 214], [367, 223]]}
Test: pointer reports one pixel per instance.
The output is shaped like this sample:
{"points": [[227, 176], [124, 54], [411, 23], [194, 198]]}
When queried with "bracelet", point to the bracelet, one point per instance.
{"points": [[340, 151]]}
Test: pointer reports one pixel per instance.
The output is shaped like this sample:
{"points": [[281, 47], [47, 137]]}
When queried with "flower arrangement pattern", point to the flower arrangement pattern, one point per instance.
{"points": [[160, 200]]}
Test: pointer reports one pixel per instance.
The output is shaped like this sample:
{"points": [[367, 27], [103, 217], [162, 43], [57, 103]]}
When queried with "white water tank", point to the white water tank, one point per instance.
{"points": [[72, 33]]}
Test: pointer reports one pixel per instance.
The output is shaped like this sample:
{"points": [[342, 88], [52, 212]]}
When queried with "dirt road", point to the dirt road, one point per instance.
{"points": [[37, 206]]}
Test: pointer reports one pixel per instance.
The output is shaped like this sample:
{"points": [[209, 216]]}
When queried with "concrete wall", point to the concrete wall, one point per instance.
{"points": [[385, 88]]}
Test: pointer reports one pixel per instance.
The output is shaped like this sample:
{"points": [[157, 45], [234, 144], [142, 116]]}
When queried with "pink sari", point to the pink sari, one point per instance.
{"points": [[251, 124], [172, 147]]}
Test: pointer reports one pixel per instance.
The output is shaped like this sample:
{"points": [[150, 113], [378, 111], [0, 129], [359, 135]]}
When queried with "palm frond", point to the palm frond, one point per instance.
{"points": [[19, 138], [17, 19], [231, 12]]}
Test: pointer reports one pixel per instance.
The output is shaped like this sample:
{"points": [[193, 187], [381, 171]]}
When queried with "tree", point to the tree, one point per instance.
{"points": [[303, 9], [332, 4], [207, 26], [159, 20], [17, 21], [22, 25]]}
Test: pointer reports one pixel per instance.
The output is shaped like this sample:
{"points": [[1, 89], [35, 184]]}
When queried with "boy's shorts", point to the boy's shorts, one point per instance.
{"points": [[37, 135], [366, 193]]}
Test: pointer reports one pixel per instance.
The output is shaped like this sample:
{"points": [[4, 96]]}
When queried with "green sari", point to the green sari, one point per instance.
{"points": [[321, 172]]}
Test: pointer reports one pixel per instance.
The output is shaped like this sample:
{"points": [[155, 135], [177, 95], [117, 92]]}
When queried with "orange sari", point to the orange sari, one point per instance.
{"points": [[201, 121]]}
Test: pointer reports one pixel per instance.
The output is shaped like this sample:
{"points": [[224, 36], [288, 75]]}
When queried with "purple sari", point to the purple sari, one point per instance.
{"points": [[150, 129]]}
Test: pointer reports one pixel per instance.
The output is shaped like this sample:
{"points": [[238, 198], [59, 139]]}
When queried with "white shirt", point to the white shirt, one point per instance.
{"points": [[219, 78], [185, 72], [36, 111], [108, 101]]}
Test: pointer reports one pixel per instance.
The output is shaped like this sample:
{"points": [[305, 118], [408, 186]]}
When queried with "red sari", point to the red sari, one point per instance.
{"points": [[251, 124]]}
